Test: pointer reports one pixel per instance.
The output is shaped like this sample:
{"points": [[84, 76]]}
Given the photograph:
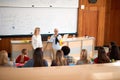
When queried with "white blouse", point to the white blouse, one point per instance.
{"points": [[36, 41], [55, 46]]}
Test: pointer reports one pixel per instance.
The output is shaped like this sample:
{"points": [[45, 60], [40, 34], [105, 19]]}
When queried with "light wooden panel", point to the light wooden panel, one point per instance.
{"points": [[98, 18], [90, 23], [109, 71]]}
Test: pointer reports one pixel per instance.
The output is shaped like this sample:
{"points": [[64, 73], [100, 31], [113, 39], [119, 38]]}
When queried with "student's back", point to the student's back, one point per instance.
{"points": [[66, 51], [115, 53], [102, 56], [31, 62], [4, 61], [37, 60], [60, 60]]}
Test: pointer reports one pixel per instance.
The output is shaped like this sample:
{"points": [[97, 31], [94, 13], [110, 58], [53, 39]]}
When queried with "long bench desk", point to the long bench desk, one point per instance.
{"points": [[80, 72]]}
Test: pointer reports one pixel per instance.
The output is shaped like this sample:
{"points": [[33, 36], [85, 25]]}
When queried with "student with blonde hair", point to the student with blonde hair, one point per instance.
{"points": [[60, 60], [83, 57], [4, 61], [36, 39]]}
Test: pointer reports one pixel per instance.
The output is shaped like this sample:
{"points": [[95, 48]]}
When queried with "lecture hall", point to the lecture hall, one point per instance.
{"points": [[59, 40]]}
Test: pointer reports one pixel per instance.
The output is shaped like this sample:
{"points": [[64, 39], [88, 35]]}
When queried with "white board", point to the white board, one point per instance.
{"points": [[22, 21], [20, 17], [39, 3]]}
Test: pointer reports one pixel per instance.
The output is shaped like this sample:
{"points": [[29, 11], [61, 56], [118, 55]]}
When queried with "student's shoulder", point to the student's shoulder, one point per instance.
{"points": [[79, 62], [30, 61], [44, 60], [19, 56], [53, 61]]}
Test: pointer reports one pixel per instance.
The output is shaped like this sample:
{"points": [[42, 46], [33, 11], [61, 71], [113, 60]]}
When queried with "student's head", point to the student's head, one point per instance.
{"points": [[101, 50], [59, 54], [59, 57], [66, 50], [37, 31], [111, 44], [24, 51], [102, 56], [3, 57], [83, 54], [55, 31], [38, 57]]}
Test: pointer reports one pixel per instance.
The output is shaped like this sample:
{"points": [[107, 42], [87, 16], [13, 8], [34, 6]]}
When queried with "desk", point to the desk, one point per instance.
{"points": [[83, 43], [18, 45], [75, 44], [80, 72]]}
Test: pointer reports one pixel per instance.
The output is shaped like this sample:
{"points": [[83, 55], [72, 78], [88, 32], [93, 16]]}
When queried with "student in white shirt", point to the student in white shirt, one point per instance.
{"points": [[36, 39], [55, 39]]}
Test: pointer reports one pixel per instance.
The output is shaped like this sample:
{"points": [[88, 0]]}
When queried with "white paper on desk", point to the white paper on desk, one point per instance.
{"points": [[65, 36], [49, 40]]}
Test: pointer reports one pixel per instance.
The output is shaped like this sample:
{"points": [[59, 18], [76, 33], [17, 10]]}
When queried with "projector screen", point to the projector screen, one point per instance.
{"points": [[22, 21]]}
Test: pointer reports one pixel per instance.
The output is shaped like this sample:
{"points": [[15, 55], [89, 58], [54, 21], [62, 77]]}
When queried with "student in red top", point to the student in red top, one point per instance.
{"points": [[23, 57], [102, 56]]}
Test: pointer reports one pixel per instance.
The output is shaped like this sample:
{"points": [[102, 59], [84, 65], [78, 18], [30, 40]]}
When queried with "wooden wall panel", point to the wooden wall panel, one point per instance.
{"points": [[107, 22], [99, 25], [115, 26], [112, 32], [90, 23], [5, 43]]}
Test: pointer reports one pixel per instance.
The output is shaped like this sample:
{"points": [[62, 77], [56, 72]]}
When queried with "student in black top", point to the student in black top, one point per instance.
{"points": [[37, 60]]}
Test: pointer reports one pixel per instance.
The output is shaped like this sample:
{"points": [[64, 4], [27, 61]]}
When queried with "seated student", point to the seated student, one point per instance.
{"points": [[23, 57], [111, 44], [114, 53], [83, 57], [4, 61], [37, 60], [102, 56], [66, 51], [60, 60]]}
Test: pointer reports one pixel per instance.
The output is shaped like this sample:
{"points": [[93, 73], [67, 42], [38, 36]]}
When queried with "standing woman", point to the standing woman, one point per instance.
{"points": [[55, 39], [36, 39]]}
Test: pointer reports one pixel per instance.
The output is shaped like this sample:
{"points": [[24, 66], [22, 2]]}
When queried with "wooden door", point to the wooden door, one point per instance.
{"points": [[90, 23]]}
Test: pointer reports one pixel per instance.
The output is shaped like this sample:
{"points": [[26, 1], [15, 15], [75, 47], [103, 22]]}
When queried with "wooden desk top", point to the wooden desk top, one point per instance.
{"points": [[81, 72]]}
